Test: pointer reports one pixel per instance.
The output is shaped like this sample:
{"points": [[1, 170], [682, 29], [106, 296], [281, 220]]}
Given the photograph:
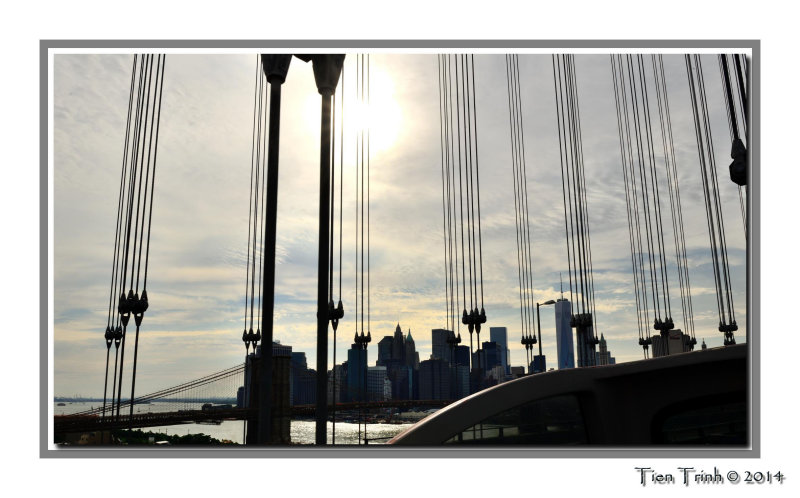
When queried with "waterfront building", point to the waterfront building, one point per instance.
{"points": [[299, 360], [497, 373], [603, 355], [461, 356], [335, 382], [564, 345], [356, 373], [398, 346], [500, 336], [460, 382], [297, 365], [302, 381], [305, 387], [387, 389], [434, 379], [376, 383], [402, 379], [493, 354], [384, 351], [341, 379], [279, 349], [401, 364], [439, 347], [412, 357], [487, 357]]}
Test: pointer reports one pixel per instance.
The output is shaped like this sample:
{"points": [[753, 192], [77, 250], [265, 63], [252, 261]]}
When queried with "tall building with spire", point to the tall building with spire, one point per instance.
{"points": [[564, 347], [398, 346], [412, 357], [604, 355], [399, 355]]}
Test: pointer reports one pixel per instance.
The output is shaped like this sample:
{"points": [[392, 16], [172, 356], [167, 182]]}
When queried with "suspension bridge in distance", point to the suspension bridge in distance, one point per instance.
{"points": [[185, 398]]}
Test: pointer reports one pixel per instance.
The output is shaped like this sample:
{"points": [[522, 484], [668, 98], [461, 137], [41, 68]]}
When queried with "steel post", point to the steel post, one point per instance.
{"points": [[275, 67], [322, 272]]}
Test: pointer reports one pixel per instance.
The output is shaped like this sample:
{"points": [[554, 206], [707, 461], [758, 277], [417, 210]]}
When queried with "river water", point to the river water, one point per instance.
{"points": [[302, 431]]}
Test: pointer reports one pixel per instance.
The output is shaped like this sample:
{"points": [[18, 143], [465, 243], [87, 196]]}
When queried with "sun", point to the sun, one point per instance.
{"points": [[381, 116]]}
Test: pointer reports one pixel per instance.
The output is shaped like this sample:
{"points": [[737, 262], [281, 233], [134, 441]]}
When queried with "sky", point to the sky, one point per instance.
{"points": [[199, 235]]}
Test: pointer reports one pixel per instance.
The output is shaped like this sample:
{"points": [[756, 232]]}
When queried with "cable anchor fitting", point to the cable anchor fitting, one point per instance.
{"points": [[109, 336], [117, 336], [335, 313], [139, 306], [125, 307]]}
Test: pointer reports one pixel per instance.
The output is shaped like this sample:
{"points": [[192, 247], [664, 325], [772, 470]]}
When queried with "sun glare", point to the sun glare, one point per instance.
{"points": [[381, 116]]}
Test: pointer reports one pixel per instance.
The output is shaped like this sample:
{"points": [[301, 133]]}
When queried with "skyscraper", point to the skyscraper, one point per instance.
{"points": [[336, 387], [302, 381], [356, 372], [376, 381], [385, 350], [500, 336], [564, 348], [460, 384], [461, 356], [603, 355], [434, 379], [439, 347], [398, 346], [399, 355], [491, 355], [412, 357]]}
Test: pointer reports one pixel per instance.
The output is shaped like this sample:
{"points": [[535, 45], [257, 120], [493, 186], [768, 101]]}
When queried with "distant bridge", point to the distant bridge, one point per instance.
{"points": [[187, 396], [93, 422]]}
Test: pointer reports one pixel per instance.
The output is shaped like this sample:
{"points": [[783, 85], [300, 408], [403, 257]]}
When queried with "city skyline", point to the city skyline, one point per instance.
{"points": [[199, 232]]}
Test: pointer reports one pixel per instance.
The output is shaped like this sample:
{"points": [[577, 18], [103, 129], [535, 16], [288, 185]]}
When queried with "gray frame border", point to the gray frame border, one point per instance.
{"points": [[753, 256]]}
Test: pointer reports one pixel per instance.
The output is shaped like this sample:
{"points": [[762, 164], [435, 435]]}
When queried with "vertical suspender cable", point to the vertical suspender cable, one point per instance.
{"points": [[628, 202], [142, 300], [477, 181], [585, 210], [522, 183], [444, 209], [123, 307], [717, 202], [517, 214], [562, 140], [110, 333]]}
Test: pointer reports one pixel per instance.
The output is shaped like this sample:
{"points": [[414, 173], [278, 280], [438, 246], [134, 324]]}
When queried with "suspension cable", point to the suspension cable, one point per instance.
{"points": [[716, 227], [641, 304], [134, 219], [576, 214], [512, 109], [110, 333]]}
